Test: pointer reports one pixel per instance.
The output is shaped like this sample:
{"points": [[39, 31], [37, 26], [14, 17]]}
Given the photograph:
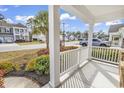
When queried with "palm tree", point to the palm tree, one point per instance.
{"points": [[41, 25]]}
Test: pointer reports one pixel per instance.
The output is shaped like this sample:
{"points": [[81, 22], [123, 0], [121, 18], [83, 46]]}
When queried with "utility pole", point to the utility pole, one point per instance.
{"points": [[63, 34]]}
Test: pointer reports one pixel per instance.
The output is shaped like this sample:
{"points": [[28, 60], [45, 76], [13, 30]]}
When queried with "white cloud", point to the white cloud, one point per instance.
{"points": [[97, 24], [23, 18], [3, 9], [9, 20], [66, 16], [86, 25], [114, 22]]}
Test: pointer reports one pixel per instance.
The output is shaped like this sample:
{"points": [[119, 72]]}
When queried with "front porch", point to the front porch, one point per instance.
{"points": [[89, 74], [69, 69], [93, 75]]}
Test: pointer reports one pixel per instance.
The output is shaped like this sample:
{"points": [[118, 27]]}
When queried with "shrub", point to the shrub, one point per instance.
{"points": [[39, 64], [67, 48], [9, 66], [30, 66], [42, 64], [45, 51]]}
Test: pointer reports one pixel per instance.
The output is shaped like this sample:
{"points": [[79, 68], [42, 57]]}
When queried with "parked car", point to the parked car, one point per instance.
{"points": [[96, 42]]}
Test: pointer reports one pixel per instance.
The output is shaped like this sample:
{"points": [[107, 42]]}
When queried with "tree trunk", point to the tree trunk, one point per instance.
{"points": [[47, 40]]}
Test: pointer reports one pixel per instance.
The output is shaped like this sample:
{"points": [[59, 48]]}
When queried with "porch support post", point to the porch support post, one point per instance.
{"points": [[54, 45], [90, 36]]}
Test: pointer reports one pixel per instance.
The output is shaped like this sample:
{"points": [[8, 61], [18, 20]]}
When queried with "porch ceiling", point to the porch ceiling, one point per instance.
{"points": [[96, 13]]}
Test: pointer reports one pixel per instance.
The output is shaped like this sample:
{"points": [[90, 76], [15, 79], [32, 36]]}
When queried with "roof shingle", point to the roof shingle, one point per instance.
{"points": [[115, 28]]}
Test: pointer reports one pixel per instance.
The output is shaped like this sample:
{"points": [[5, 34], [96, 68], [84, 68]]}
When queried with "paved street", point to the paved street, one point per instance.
{"points": [[15, 47]]}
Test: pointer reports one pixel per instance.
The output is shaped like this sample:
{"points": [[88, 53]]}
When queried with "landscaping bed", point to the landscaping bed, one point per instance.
{"points": [[33, 64]]}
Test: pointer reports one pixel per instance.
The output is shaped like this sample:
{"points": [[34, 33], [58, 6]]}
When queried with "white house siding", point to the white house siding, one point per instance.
{"points": [[20, 35], [39, 37], [6, 38], [120, 35], [6, 35]]}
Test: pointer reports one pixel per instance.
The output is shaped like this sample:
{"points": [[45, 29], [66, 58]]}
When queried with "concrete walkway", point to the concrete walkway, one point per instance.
{"points": [[20, 82]]}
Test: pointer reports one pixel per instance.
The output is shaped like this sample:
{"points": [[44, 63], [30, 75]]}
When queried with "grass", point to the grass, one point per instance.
{"points": [[24, 56], [18, 56], [30, 43]]}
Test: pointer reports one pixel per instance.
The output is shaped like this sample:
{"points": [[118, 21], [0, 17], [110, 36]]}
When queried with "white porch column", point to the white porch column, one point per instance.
{"points": [[54, 45], [90, 36]]}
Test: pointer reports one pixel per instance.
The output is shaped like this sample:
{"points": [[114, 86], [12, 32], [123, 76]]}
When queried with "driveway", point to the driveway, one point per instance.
{"points": [[15, 47]]}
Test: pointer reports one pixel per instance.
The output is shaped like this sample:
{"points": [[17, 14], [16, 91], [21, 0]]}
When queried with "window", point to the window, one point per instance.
{"points": [[116, 38], [11, 30], [21, 30], [96, 40], [7, 30], [3, 30], [17, 31]]}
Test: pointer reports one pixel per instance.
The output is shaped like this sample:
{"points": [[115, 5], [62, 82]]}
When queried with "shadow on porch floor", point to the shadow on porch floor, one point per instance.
{"points": [[94, 75]]}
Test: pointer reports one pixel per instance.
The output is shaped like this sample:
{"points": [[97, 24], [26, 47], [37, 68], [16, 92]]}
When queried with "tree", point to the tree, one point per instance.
{"points": [[30, 25], [78, 34], [101, 35], [2, 17], [85, 34], [41, 25]]}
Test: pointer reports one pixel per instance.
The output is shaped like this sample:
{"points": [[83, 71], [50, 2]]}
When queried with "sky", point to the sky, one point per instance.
{"points": [[21, 13]]}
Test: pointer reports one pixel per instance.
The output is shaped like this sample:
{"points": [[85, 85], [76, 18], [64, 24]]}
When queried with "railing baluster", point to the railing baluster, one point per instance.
{"points": [[106, 54], [113, 54], [109, 54], [101, 53]]}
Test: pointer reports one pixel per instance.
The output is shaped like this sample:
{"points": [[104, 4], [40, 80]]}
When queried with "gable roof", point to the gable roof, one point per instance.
{"points": [[3, 23], [19, 25], [115, 28]]}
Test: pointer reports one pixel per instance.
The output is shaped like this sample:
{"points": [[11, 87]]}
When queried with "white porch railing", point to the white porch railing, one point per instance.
{"points": [[106, 54], [70, 59]]}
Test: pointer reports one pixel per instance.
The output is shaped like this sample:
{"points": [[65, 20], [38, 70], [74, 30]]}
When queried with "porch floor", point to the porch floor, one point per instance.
{"points": [[94, 74]]}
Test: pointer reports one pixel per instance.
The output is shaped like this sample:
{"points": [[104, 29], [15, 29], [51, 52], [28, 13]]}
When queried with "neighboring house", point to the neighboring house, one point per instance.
{"points": [[61, 38], [13, 32], [116, 35], [40, 37]]}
